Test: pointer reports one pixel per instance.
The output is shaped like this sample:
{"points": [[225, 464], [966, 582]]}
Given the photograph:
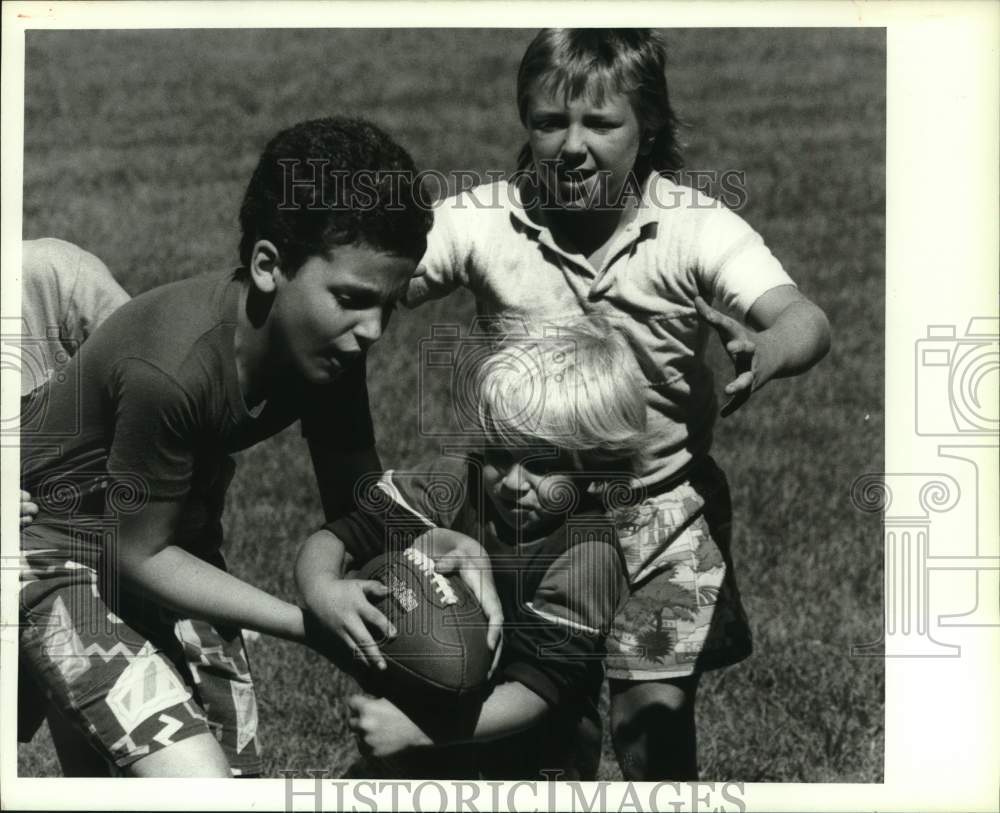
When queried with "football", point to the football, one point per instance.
{"points": [[440, 644]]}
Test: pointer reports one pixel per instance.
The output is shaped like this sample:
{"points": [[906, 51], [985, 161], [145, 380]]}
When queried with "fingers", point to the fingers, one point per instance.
{"points": [[496, 658], [363, 645], [490, 603], [744, 381], [373, 589], [355, 706], [495, 632], [494, 616], [706, 311], [29, 509], [375, 618], [742, 346], [447, 563], [735, 403], [481, 584], [724, 325]]}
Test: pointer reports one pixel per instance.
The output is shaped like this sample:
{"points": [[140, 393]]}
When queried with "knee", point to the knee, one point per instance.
{"points": [[650, 707], [197, 756], [653, 731]]}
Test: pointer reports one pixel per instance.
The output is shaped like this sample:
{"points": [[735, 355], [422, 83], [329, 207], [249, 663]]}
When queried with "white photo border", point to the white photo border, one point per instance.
{"points": [[942, 713]]}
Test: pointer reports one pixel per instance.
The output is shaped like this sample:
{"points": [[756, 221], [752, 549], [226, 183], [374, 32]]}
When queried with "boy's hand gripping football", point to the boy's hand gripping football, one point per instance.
{"points": [[741, 346], [455, 552], [347, 612]]}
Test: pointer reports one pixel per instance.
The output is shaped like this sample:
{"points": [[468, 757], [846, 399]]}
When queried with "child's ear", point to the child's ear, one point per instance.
{"points": [[265, 264]]}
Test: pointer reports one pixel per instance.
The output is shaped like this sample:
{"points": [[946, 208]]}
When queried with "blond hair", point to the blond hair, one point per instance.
{"points": [[574, 385]]}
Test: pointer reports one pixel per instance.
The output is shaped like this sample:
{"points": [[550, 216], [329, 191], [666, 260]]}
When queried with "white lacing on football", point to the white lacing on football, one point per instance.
{"points": [[426, 565]]}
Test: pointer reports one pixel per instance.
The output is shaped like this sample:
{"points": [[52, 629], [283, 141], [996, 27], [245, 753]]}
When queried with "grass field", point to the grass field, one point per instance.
{"points": [[138, 146]]}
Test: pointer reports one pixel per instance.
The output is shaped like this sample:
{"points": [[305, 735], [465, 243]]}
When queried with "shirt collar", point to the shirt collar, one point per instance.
{"points": [[648, 212], [524, 210]]}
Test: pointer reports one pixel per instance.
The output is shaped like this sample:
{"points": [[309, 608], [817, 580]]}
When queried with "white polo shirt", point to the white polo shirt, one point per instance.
{"points": [[679, 243]]}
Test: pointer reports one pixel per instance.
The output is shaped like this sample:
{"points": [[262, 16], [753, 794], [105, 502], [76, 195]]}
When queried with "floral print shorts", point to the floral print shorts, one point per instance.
{"points": [[684, 614]]}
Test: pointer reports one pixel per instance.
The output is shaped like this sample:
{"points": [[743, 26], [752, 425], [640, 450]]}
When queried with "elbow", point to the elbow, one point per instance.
{"points": [[813, 328], [824, 338], [322, 555]]}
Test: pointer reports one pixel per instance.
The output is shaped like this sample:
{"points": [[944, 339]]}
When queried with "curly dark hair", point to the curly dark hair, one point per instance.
{"points": [[333, 181], [578, 61]]}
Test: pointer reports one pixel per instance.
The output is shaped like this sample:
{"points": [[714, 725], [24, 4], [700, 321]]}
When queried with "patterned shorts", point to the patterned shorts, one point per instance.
{"points": [[684, 614], [131, 687]]}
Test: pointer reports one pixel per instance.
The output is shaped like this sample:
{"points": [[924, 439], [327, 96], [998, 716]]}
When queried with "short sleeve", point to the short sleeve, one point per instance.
{"points": [[154, 432], [364, 531], [443, 267], [559, 637], [337, 417], [735, 265], [95, 296], [394, 509], [582, 589], [435, 491]]}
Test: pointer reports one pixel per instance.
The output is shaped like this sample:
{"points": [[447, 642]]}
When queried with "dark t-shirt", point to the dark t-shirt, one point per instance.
{"points": [[560, 594], [150, 408]]}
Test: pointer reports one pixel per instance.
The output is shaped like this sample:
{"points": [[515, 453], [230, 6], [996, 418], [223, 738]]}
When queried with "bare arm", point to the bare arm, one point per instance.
{"points": [[385, 730], [793, 333], [149, 562], [511, 707]]}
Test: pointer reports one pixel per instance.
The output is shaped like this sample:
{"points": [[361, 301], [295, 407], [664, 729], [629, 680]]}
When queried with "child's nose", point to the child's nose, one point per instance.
{"points": [[514, 479], [369, 327], [574, 145]]}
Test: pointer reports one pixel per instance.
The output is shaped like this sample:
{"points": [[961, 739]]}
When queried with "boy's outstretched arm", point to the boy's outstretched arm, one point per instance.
{"points": [[787, 335], [383, 729], [149, 562]]}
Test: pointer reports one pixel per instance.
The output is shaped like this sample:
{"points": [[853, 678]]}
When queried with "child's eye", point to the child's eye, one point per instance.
{"points": [[541, 465], [546, 125], [355, 300], [603, 125], [499, 458], [547, 465]]}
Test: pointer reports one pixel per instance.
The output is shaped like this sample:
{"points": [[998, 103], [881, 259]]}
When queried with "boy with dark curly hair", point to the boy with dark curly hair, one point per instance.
{"points": [[130, 623]]}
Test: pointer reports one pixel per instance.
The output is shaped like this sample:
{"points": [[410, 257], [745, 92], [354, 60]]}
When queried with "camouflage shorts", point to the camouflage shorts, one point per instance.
{"points": [[684, 614], [130, 679]]}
